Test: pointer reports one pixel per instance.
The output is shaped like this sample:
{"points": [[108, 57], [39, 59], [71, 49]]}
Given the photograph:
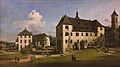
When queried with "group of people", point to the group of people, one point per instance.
{"points": [[17, 59], [33, 58], [73, 58]]}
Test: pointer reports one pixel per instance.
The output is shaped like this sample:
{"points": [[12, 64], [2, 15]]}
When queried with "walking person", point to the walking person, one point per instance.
{"points": [[72, 57], [18, 59], [15, 58]]}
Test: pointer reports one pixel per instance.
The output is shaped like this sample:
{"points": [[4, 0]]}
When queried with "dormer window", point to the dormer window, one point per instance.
{"points": [[101, 28]]}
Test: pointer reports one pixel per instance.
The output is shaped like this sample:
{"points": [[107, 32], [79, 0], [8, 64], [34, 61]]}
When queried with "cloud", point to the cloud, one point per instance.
{"points": [[35, 22]]}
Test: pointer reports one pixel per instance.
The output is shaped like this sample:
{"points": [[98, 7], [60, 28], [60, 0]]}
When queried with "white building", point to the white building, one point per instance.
{"points": [[24, 38], [70, 31], [27, 39]]}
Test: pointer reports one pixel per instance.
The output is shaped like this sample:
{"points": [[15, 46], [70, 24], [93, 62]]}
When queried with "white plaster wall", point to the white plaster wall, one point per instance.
{"points": [[23, 41], [48, 41], [66, 37]]}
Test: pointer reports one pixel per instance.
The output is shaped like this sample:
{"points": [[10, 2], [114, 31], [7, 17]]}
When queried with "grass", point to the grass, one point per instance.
{"points": [[81, 55], [85, 58], [11, 56]]}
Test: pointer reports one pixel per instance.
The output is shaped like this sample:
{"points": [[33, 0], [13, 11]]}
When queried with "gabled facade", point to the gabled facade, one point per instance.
{"points": [[70, 31], [24, 38], [27, 39]]}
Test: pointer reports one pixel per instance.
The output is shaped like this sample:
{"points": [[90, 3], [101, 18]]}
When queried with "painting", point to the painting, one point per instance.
{"points": [[59, 33]]}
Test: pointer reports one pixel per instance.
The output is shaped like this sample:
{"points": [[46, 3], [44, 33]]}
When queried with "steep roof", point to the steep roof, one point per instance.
{"points": [[64, 20], [39, 37], [80, 25], [114, 13], [25, 32]]}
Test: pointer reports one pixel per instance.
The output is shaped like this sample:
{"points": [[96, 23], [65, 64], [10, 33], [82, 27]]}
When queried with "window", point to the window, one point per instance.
{"points": [[21, 47], [90, 34], [20, 41], [95, 34], [25, 46], [93, 39], [77, 40], [78, 23], [66, 34], [82, 34], [25, 36], [66, 27], [101, 28], [103, 39], [65, 41], [20, 36], [71, 34], [116, 20], [101, 34], [29, 36], [77, 34], [86, 41], [29, 41], [86, 34], [71, 41], [25, 41]]}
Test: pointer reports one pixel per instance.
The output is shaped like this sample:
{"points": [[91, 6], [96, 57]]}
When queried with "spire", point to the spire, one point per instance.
{"points": [[77, 17], [114, 13]]}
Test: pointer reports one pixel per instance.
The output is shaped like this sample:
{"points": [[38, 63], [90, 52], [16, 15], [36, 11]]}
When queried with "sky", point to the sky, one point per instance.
{"points": [[42, 16]]}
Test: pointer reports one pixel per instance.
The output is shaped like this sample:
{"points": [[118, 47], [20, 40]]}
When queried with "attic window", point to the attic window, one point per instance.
{"points": [[101, 28]]}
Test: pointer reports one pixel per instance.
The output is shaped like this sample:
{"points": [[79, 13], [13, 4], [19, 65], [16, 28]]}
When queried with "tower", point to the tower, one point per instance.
{"points": [[114, 20], [77, 17]]}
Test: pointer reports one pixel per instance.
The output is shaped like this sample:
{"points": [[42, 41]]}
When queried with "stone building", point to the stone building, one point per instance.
{"points": [[71, 31]]}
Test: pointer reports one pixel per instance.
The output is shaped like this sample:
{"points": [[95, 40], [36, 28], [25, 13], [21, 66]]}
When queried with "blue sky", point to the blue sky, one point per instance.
{"points": [[12, 11]]}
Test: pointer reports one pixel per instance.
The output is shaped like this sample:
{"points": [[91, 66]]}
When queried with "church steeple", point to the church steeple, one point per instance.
{"points": [[114, 20], [114, 13], [77, 17]]}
